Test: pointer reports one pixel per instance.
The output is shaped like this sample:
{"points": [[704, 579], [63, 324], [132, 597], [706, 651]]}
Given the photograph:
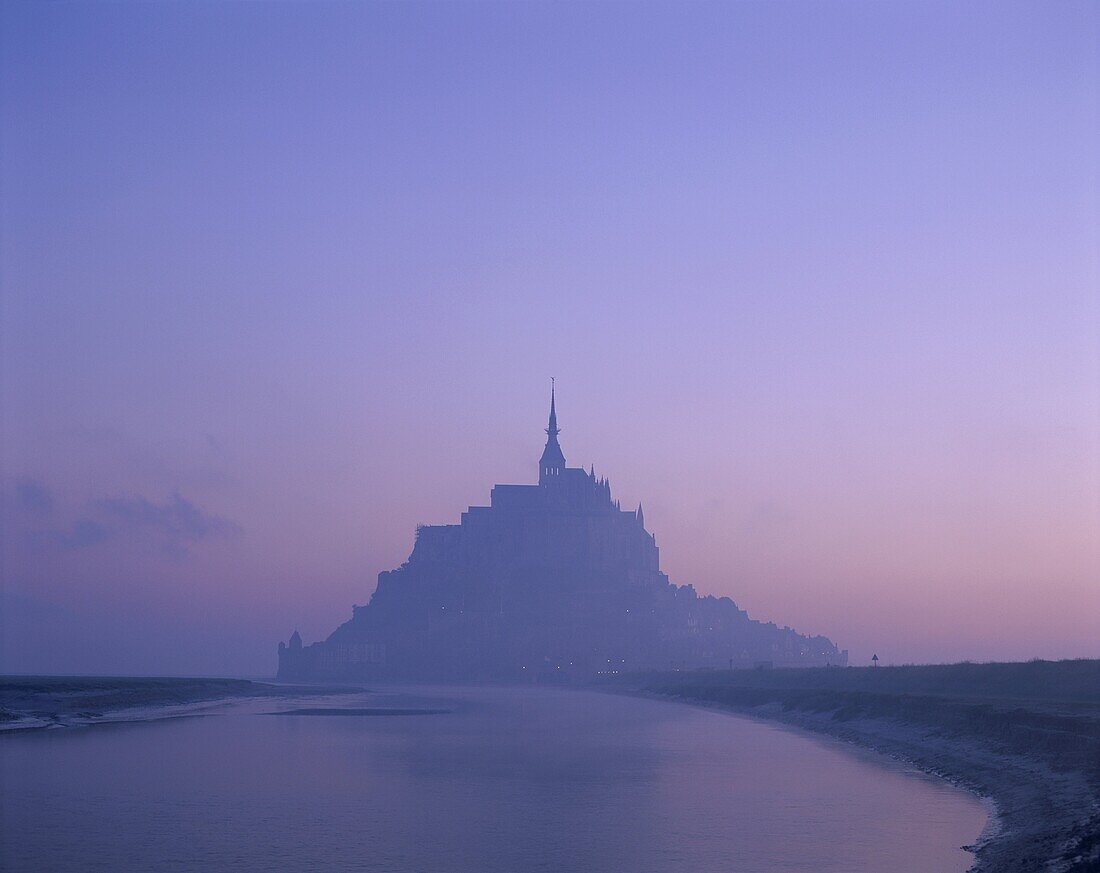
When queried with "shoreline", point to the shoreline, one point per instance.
{"points": [[1043, 812], [38, 703], [1034, 764], [994, 824]]}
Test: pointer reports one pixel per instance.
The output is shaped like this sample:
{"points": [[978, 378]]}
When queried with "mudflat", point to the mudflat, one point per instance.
{"points": [[30, 702]]}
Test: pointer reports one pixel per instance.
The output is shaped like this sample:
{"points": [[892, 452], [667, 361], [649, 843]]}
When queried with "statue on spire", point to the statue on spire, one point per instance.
{"points": [[553, 430], [552, 463]]}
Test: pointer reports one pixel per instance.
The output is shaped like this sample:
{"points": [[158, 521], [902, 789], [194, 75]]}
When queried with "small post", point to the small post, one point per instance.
{"points": [[874, 660]]}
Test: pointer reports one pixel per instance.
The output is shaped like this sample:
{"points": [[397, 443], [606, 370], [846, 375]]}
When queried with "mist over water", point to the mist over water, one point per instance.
{"points": [[509, 779]]}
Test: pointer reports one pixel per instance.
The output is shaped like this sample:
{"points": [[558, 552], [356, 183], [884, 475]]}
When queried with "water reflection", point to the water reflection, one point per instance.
{"points": [[509, 779]]}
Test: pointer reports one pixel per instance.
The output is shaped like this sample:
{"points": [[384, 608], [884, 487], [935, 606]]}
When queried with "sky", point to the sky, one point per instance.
{"points": [[818, 282]]}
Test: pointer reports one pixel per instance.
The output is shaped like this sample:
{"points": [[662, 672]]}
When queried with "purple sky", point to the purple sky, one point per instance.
{"points": [[819, 285]]}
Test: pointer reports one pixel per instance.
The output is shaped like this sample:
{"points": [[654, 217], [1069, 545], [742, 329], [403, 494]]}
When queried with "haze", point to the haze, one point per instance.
{"points": [[818, 284]]}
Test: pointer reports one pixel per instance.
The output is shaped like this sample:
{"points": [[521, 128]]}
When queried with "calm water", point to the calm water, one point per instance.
{"points": [[510, 780]]}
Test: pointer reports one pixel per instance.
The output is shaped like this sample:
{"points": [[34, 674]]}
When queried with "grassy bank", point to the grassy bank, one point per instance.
{"points": [[1026, 735]]}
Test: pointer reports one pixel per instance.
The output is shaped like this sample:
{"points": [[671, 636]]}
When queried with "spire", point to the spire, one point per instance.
{"points": [[552, 429], [552, 462], [641, 516]]}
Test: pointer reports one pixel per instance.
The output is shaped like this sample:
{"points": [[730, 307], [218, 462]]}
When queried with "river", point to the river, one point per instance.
{"points": [[505, 779]]}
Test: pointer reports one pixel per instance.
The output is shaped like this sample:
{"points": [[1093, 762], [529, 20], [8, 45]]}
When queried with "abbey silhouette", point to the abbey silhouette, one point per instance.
{"points": [[553, 580]]}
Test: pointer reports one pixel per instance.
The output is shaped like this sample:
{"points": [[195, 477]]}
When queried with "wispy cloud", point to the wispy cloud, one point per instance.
{"points": [[33, 496], [173, 525], [80, 534], [178, 522]]}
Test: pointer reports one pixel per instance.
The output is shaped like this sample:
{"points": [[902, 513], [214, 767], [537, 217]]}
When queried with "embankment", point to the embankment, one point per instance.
{"points": [[1026, 736]]}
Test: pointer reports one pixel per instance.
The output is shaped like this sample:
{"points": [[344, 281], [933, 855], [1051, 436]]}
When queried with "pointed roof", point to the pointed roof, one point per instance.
{"points": [[640, 515], [552, 455], [552, 429]]}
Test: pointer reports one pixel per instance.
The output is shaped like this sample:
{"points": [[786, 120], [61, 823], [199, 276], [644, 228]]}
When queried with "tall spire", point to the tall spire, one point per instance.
{"points": [[552, 430], [553, 461]]}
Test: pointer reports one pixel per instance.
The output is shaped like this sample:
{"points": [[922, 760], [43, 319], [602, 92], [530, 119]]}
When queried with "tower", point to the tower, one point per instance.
{"points": [[552, 463]]}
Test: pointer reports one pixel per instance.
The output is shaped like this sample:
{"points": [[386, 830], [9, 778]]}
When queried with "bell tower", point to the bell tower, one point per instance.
{"points": [[552, 463]]}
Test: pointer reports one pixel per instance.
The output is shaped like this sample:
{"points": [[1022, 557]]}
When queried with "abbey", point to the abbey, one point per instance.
{"points": [[553, 580]]}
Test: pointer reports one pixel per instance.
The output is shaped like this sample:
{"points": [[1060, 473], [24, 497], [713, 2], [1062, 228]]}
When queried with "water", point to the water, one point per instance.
{"points": [[509, 780]]}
